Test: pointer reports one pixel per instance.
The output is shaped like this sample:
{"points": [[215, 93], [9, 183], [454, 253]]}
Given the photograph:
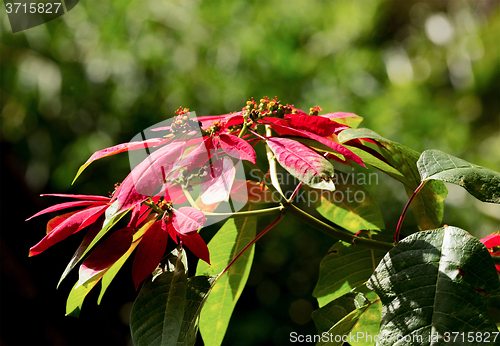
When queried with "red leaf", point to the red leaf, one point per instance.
{"points": [[196, 244], [89, 197], [149, 252], [283, 130], [315, 124], [146, 177], [303, 163], [198, 156], [187, 220], [56, 221], [237, 147], [106, 254], [492, 240], [71, 225], [217, 185], [64, 206], [116, 150]]}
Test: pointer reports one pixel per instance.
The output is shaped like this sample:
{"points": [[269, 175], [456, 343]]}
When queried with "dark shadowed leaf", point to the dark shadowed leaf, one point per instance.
{"points": [[198, 289], [482, 183], [158, 312], [435, 282]]}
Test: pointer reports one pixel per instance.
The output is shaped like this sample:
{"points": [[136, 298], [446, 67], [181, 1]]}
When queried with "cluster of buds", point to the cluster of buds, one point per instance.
{"points": [[315, 110], [267, 108], [164, 206], [182, 123]]}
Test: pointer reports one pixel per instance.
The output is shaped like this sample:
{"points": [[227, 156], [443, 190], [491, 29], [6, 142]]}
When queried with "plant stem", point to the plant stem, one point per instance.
{"points": [[297, 188], [272, 163], [403, 214], [260, 235], [336, 232], [189, 198], [261, 212], [154, 207]]}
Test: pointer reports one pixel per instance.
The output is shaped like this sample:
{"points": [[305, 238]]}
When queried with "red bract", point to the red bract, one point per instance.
{"points": [[63, 226], [149, 252], [148, 176], [106, 254], [282, 129], [492, 242]]}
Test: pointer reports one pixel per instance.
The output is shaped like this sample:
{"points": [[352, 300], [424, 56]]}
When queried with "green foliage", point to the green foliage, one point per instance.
{"points": [[338, 317], [232, 237], [480, 182], [108, 69], [442, 279], [168, 306]]}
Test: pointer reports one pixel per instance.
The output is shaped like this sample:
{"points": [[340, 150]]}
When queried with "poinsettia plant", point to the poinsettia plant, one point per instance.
{"points": [[429, 287]]}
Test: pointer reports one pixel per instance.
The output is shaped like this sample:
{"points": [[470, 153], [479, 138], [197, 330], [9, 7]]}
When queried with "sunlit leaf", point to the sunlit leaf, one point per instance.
{"points": [[303, 163], [233, 236], [350, 205], [349, 119], [480, 182], [428, 203]]}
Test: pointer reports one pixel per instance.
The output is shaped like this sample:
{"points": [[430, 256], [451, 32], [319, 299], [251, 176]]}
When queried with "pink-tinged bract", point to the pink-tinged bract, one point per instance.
{"points": [[187, 220]]}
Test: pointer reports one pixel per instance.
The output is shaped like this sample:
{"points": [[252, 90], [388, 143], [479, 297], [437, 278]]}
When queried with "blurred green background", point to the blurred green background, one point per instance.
{"points": [[423, 73]]}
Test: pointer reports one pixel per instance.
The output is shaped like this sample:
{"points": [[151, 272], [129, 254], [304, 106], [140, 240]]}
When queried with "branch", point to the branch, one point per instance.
{"points": [[336, 232]]}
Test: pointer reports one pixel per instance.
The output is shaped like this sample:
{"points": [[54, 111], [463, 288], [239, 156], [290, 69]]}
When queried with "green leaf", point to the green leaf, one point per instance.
{"points": [[428, 203], [233, 236], [198, 289], [158, 312], [335, 320], [482, 183], [350, 206], [435, 282], [346, 267], [77, 295]]}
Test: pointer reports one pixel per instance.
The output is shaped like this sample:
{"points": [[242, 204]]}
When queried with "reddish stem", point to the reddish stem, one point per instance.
{"points": [[403, 214], [260, 235]]}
